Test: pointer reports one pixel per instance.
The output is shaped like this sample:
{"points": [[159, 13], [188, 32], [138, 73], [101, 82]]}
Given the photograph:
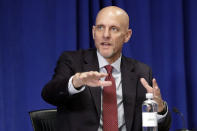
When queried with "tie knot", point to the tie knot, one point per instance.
{"points": [[109, 69]]}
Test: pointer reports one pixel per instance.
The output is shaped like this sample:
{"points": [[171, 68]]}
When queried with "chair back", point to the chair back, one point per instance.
{"points": [[44, 120]]}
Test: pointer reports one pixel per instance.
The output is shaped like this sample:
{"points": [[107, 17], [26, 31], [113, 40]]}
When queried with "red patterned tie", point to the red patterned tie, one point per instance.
{"points": [[110, 114]]}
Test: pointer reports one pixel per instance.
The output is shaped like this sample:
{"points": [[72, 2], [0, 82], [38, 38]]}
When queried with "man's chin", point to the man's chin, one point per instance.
{"points": [[106, 55]]}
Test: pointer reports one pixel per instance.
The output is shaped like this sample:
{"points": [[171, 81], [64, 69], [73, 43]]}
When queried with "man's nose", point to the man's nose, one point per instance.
{"points": [[106, 33]]}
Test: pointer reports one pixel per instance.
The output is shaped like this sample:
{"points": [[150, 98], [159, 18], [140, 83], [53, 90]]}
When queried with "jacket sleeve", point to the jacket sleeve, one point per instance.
{"points": [[55, 91], [166, 123]]}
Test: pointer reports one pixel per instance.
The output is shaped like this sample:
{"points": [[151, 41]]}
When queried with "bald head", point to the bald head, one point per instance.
{"points": [[110, 32], [114, 11]]}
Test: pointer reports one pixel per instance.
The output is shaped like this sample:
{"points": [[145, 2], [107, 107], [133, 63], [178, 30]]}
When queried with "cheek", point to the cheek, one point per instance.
{"points": [[119, 41], [97, 37]]}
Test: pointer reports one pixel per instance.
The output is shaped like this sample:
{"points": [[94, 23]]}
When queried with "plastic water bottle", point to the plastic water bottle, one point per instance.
{"points": [[149, 113]]}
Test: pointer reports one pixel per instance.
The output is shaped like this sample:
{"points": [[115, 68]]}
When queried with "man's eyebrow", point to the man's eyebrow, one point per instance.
{"points": [[100, 25], [110, 25]]}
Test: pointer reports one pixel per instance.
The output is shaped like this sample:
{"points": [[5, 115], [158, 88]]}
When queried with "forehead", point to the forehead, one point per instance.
{"points": [[110, 18]]}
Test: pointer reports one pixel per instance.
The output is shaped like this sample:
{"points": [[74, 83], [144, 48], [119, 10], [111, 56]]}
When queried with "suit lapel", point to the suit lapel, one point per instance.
{"points": [[129, 82], [91, 64]]}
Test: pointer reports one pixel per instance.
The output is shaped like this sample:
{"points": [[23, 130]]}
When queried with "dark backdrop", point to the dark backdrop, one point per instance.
{"points": [[33, 33]]}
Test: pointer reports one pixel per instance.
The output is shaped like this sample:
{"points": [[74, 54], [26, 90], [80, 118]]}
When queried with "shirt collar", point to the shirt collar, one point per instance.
{"points": [[103, 62]]}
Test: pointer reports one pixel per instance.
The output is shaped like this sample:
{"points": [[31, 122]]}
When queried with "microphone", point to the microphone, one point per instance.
{"points": [[182, 117]]}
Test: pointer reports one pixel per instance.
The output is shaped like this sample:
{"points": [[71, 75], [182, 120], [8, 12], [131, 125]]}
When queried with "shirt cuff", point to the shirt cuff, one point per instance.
{"points": [[71, 88], [160, 118]]}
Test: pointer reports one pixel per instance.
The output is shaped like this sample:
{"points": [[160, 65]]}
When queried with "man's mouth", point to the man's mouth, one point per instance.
{"points": [[105, 44]]}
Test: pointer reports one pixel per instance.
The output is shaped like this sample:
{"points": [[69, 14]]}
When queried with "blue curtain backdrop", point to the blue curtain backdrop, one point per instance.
{"points": [[33, 33]]}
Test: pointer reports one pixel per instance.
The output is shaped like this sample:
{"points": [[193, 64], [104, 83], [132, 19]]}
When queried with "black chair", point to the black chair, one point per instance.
{"points": [[44, 120]]}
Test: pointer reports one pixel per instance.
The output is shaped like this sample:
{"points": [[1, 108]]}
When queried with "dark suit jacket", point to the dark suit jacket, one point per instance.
{"points": [[81, 112]]}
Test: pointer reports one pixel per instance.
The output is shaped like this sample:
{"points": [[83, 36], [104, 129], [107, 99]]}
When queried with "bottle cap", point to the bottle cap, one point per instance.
{"points": [[149, 95]]}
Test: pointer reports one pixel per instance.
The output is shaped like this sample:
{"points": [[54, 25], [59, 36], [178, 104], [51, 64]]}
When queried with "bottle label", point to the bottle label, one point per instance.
{"points": [[149, 119]]}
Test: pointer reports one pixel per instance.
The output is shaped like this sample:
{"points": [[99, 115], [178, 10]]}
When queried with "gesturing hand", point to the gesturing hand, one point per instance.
{"points": [[156, 92], [91, 78]]}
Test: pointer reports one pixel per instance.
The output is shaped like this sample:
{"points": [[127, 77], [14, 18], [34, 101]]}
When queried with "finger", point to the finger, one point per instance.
{"points": [[146, 85], [96, 75], [155, 85], [156, 88], [88, 75], [157, 95], [100, 75], [105, 83]]}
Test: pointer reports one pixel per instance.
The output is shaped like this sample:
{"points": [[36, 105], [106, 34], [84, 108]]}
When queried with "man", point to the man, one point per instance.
{"points": [[78, 88]]}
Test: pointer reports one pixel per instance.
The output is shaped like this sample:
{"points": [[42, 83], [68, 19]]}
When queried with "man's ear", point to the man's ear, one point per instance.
{"points": [[93, 31], [128, 35]]}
